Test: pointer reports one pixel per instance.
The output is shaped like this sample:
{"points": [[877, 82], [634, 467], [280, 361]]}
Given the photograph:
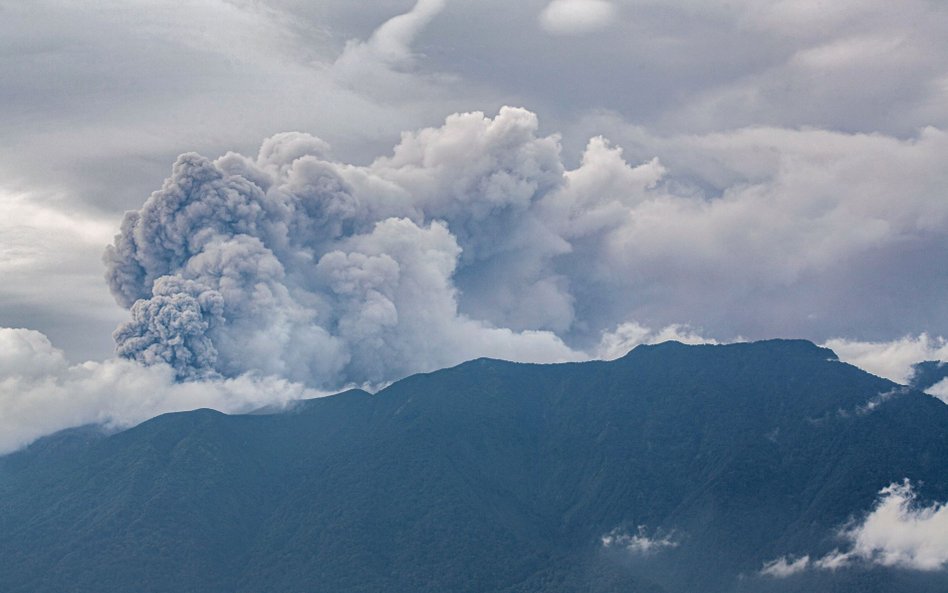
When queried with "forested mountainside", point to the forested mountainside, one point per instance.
{"points": [[673, 469]]}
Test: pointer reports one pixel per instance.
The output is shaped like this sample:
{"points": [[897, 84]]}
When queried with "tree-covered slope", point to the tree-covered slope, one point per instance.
{"points": [[490, 476]]}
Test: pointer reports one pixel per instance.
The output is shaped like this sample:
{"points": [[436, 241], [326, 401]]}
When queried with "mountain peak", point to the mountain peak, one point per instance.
{"points": [[775, 346]]}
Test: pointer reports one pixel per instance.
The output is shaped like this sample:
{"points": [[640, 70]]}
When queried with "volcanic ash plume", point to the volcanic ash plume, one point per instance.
{"points": [[295, 265]]}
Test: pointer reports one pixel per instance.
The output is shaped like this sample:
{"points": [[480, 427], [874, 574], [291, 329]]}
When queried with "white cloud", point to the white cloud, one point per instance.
{"points": [[383, 64], [891, 360], [939, 390], [639, 543], [784, 567], [575, 17], [898, 532], [627, 336], [392, 41], [876, 401], [40, 392], [796, 225]]}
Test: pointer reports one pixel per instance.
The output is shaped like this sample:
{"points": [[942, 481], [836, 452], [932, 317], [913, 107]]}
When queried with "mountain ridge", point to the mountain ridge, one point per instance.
{"points": [[488, 476]]}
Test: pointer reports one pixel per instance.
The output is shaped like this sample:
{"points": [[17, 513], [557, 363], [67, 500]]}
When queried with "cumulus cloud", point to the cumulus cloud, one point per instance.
{"points": [[639, 543], [573, 17], [41, 392], [898, 532]]}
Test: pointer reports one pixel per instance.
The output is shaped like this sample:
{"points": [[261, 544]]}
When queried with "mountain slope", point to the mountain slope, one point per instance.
{"points": [[490, 476]]}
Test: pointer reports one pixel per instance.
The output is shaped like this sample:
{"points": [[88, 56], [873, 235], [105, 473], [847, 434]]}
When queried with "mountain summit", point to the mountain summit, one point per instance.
{"points": [[673, 469]]}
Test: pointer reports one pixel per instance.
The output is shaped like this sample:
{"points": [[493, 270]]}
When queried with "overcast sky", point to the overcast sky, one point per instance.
{"points": [[707, 170]]}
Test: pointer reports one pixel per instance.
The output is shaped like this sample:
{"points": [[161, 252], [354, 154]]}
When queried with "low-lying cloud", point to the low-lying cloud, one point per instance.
{"points": [[898, 532], [784, 567], [41, 392], [639, 543]]}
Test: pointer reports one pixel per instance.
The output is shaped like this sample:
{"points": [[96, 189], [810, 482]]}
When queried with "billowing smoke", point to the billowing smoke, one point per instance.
{"points": [[295, 265]]}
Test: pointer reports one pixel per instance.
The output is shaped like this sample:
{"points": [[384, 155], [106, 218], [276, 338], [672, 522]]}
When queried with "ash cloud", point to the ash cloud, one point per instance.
{"points": [[296, 265]]}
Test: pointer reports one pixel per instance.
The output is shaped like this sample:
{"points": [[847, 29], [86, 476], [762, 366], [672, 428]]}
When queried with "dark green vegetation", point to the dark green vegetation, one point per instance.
{"points": [[487, 477], [928, 373]]}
